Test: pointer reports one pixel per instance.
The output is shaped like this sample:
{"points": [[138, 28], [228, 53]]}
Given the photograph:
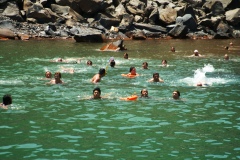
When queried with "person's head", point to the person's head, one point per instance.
{"points": [[89, 63], [196, 52], [7, 99], [57, 75], [144, 93], [96, 93], [132, 70], [226, 47], [48, 74], [125, 56], [155, 76], [164, 62], [172, 49], [176, 94], [112, 63], [145, 65], [102, 71], [226, 57]]}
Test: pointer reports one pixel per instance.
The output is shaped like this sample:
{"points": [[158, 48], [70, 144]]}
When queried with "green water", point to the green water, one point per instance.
{"points": [[57, 122]]}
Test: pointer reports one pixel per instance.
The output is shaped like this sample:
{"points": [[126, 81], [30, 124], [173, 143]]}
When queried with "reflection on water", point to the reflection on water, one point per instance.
{"points": [[57, 122]]}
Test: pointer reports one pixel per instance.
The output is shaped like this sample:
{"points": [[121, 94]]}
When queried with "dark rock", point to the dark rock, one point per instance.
{"points": [[187, 20], [180, 31]]}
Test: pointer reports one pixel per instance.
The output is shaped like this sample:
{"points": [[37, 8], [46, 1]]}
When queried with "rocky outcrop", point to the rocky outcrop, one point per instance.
{"points": [[92, 20]]}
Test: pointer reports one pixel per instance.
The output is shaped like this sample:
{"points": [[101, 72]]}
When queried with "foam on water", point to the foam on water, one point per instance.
{"points": [[200, 77]]}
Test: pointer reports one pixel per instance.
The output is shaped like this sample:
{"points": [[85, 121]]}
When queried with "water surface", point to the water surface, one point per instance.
{"points": [[58, 122]]}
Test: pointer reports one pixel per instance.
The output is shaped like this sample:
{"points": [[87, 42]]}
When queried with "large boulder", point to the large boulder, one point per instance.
{"points": [[42, 15], [233, 17], [6, 33], [126, 22], [136, 7], [84, 34], [13, 12], [67, 12], [179, 31], [106, 21], [187, 20], [167, 15], [215, 7]]}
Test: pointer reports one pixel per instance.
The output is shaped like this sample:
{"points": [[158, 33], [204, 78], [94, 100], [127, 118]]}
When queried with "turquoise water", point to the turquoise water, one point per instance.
{"points": [[58, 122]]}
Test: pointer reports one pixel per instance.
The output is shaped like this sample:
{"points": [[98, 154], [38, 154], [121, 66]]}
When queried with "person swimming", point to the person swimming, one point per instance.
{"points": [[97, 77], [57, 79], [96, 93], [156, 78], [6, 101]]}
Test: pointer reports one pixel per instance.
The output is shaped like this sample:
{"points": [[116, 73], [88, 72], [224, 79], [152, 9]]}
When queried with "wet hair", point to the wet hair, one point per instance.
{"points": [[131, 68], [177, 92], [102, 71], [145, 63], [58, 73], [155, 74], [7, 99], [97, 89], [112, 63], [48, 72], [226, 47], [142, 90], [89, 62], [125, 54], [164, 60]]}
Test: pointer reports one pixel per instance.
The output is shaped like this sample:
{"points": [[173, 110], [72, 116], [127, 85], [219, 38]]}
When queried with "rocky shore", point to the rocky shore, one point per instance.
{"points": [[100, 20]]}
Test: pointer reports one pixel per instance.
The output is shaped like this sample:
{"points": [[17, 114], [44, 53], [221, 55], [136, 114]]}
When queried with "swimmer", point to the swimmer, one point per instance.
{"points": [[226, 47], [173, 49], [156, 78], [144, 93], [132, 73], [164, 62], [145, 65], [57, 79], [125, 56], [226, 57], [96, 93], [112, 62], [68, 70], [48, 75], [89, 63], [196, 54], [176, 95], [6, 101], [67, 60], [97, 77], [231, 44]]}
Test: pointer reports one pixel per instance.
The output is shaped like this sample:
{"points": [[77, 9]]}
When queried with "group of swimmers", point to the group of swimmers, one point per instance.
{"points": [[7, 99]]}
